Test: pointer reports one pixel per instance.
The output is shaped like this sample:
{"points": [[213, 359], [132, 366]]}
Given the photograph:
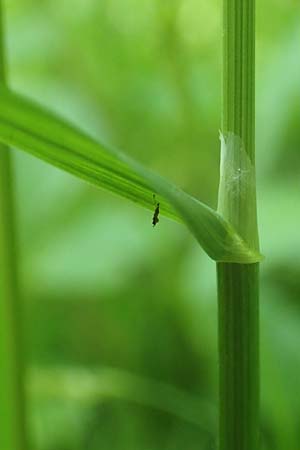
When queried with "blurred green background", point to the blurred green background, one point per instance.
{"points": [[120, 318]]}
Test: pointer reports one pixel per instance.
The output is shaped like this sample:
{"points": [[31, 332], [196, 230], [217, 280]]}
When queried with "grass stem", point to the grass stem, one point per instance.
{"points": [[238, 283], [12, 416]]}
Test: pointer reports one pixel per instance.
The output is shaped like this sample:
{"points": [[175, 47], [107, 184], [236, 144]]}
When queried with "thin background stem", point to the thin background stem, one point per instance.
{"points": [[237, 283], [12, 416]]}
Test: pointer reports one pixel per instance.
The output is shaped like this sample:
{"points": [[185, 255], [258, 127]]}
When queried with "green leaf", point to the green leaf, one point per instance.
{"points": [[35, 130]]}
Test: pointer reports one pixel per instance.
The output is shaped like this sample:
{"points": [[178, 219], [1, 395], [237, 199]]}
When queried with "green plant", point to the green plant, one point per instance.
{"points": [[238, 283], [12, 409], [229, 235]]}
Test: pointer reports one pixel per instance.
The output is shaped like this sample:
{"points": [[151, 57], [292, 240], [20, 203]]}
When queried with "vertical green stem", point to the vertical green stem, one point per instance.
{"points": [[237, 283], [238, 355], [12, 417]]}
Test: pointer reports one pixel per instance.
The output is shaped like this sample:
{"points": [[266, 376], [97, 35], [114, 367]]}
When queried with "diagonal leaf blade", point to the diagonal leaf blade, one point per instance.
{"points": [[39, 132]]}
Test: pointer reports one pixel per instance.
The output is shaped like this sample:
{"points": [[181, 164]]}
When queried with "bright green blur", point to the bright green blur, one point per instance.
{"points": [[103, 289]]}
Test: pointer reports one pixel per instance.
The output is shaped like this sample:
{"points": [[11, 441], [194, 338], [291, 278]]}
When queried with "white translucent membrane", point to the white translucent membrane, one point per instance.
{"points": [[237, 189]]}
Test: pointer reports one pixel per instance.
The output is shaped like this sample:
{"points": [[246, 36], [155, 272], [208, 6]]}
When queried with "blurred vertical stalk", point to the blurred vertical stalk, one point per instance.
{"points": [[238, 283], [12, 417]]}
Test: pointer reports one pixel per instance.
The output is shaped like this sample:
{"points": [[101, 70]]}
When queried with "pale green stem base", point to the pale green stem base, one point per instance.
{"points": [[12, 422]]}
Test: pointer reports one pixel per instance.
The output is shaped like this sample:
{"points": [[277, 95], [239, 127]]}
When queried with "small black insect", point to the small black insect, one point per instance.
{"points": [[155, 218]]}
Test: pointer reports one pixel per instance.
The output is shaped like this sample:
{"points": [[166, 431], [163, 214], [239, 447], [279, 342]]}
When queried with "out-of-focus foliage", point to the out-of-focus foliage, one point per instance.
{"points": [[104, 290]]}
